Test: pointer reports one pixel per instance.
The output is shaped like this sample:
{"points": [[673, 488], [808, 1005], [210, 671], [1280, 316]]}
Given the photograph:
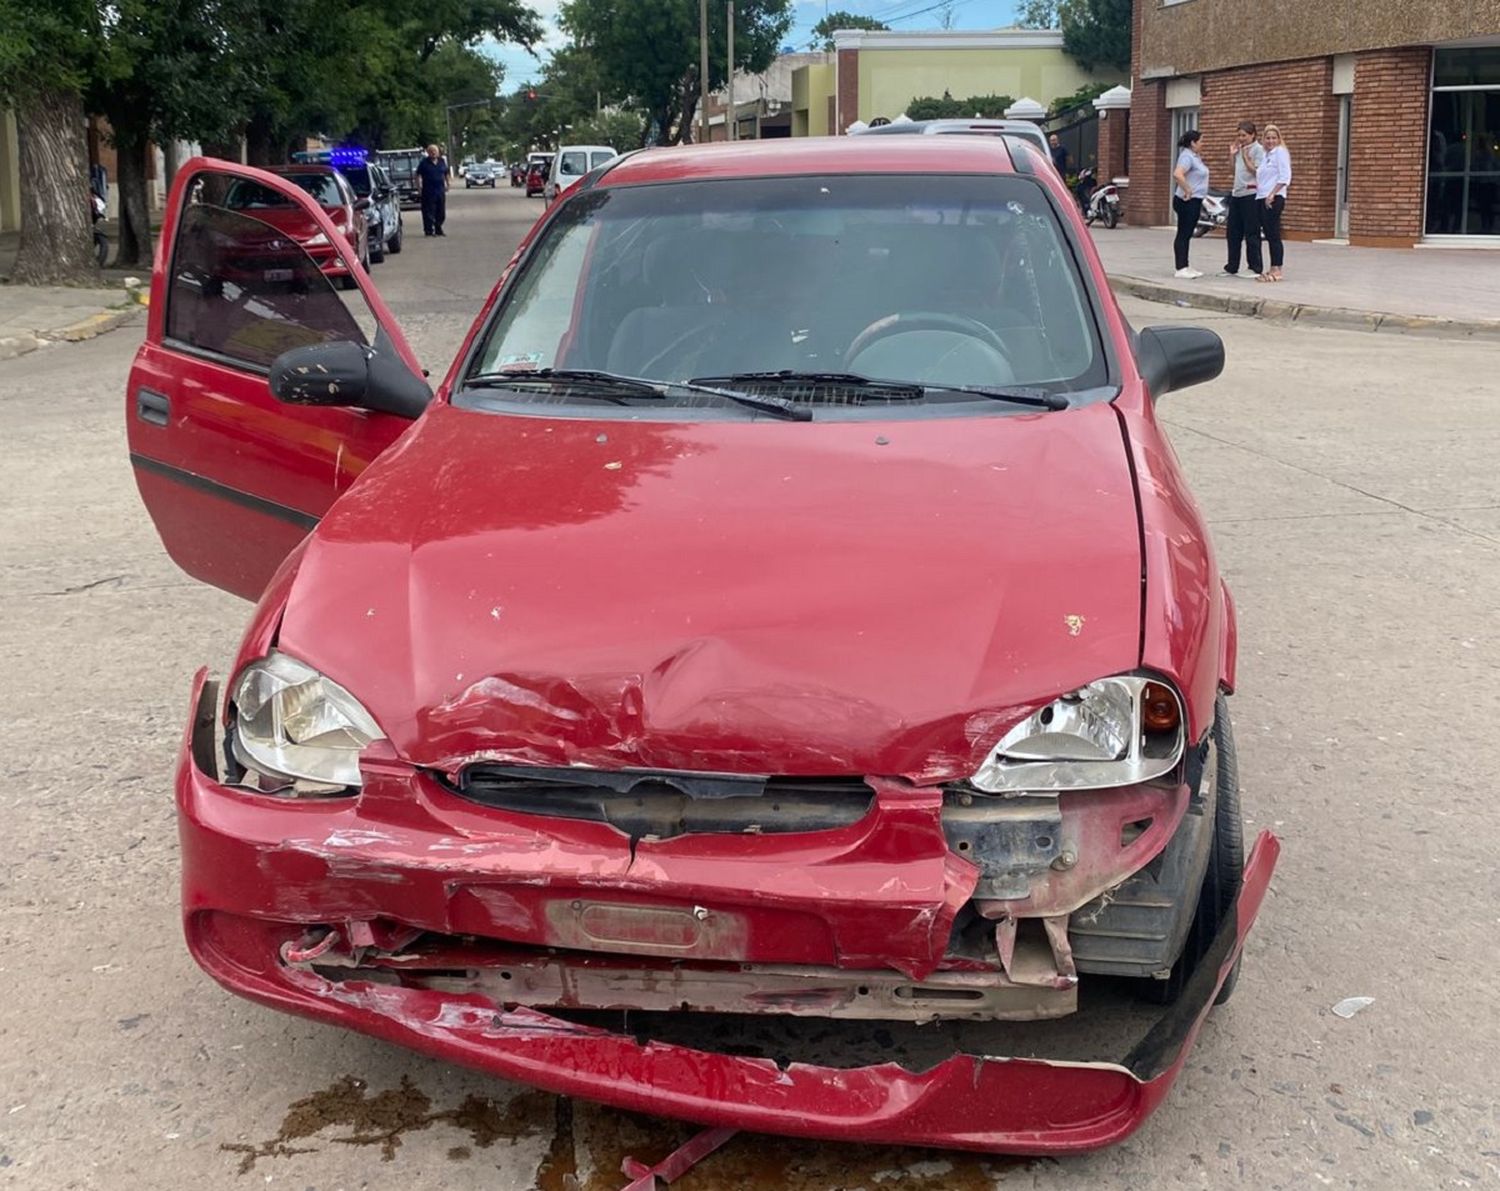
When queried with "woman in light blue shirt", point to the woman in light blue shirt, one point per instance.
{"points": [[1272, 178], [1190, 180]]}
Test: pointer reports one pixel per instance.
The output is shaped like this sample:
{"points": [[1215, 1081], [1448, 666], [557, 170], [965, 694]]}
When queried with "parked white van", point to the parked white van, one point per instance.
{"points": [[571, 163]]}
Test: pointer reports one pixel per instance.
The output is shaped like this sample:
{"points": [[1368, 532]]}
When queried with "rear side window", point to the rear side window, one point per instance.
{"points": [[599, 157], [574, 164], [241, 289]]}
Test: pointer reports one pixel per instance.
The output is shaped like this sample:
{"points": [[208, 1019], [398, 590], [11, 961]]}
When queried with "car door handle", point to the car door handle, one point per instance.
{"points": [[153, 407]]}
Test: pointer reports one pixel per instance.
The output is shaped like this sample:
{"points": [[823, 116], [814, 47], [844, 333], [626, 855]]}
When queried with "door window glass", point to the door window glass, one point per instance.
{"points": [[599, 157], [574, 165], [242, 288]]}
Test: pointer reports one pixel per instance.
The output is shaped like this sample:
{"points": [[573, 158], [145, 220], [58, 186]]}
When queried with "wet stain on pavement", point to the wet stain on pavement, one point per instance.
{"points": [[756, 1162], [384, 1118]]}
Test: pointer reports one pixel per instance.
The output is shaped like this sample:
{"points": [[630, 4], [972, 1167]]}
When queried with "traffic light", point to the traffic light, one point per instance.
{"points": [[531, 94]]}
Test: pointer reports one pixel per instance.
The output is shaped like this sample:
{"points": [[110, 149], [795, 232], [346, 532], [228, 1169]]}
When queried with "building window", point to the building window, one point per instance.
{"points": [[1463, 154]]}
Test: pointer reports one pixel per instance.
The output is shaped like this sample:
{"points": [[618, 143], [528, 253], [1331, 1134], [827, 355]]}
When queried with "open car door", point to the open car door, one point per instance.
{"points": [[249, 266]]}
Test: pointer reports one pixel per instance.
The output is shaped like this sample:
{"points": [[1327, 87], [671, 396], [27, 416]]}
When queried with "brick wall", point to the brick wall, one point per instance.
{"points": [[1149, 200], [1114, 132], [848, 91], [1298, 98], [1388, 146]]}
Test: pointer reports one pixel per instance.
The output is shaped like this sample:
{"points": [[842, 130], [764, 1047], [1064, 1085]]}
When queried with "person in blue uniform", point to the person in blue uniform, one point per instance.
{"points": [[432, 176]]}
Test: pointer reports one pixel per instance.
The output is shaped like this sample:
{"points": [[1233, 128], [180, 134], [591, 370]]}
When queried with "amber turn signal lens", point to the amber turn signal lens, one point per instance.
{"points": [[1159, 710]]}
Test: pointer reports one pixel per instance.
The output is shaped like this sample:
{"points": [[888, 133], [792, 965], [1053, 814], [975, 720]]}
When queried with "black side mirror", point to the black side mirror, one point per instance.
{"points": [[344, 373], [362, 204], [1172, 356]]}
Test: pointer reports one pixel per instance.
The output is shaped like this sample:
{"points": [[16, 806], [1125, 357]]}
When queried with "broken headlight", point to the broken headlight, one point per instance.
{"points": [[295, 725], [1113, 732]]}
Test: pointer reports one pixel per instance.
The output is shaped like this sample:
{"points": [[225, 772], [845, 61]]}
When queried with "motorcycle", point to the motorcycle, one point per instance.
{"points": [[101, 241], [1099, 204], [1215, 213]]}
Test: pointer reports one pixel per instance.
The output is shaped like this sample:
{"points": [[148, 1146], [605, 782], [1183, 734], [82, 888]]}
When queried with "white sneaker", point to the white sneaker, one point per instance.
{"points": [[1195, 273], [1186, 274]]}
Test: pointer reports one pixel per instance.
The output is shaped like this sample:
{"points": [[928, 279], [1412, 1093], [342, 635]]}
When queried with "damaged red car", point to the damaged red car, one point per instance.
{"points": [[778, 680]]}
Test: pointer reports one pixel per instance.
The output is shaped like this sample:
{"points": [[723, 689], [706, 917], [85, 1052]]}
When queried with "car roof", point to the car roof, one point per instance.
{"points": [[587, 148], [951, 124], [308, 167], [813, 155]]}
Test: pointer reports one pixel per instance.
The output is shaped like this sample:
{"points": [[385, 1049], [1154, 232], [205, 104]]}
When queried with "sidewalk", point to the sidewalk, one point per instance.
{"points": [[31, 315], [1442, 291]]}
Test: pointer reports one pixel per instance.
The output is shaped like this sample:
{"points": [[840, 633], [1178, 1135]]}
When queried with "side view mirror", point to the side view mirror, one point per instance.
{"points": [[1172, 356], [344, 373], [362, 204]]}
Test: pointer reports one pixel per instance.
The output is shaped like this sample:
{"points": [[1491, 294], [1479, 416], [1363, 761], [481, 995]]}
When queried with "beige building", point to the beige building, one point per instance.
{"points": [[874, 76]]}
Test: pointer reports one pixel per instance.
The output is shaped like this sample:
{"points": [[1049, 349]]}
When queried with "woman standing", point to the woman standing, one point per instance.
{"points": [[1191, 178], [1272, 178]]}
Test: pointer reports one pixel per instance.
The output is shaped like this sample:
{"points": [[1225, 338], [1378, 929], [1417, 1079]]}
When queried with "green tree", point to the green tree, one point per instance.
{"points": [[929, 107], [45, 60], [1097, 33], [825, 29], [648, 52]]}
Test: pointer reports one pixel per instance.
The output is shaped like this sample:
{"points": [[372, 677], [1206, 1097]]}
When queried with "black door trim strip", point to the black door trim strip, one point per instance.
{"points": [[203, 484]]}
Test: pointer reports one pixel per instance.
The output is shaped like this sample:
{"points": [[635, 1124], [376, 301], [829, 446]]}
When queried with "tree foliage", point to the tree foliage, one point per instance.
{"points": [[1081, 98], [834, 21], [929, 107], [647, 52], [1097, 33]]}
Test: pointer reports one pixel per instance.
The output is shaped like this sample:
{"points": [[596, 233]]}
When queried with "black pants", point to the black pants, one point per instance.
{"points": [[1270, 223], [1244, 228], [1187, 219], [434, 211]]}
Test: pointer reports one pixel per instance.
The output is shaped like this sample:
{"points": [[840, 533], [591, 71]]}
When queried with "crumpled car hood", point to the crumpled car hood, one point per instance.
{"points": [[738, 596]]}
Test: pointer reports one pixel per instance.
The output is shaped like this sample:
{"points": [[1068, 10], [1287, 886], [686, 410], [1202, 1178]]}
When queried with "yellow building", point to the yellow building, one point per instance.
{"points": [[873, 76]]}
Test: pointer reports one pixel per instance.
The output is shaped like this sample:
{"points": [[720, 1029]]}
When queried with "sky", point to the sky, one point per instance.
{"points": [[909, 16]]}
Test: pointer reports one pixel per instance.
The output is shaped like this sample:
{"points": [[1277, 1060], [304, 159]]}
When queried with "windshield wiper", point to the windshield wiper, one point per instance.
{"points": [[611, 386], [1020, 394], [893, 389], [606, 384]]}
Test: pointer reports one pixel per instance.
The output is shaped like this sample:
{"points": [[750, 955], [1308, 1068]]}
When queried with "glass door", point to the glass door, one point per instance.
{"points": [[1341, 181], [1463, 153], [1183, 119]]}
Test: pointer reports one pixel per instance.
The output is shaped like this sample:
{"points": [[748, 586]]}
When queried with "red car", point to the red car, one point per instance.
{"points": [[779, 666], [331, 191], [537, 170]]}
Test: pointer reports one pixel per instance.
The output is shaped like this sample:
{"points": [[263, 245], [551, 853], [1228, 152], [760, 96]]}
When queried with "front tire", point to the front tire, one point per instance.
{"points": [[393, 246], [1221, 878], [1111, 216]]}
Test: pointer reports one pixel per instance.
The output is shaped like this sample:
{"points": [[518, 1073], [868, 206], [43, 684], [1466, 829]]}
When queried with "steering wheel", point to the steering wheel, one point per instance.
{"points": [[923, 320]]}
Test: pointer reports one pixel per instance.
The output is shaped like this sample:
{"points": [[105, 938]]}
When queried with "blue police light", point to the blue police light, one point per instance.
{"points": [[347, 155]]}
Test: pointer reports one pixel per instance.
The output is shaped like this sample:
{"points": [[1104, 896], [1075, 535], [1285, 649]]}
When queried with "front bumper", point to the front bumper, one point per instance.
{"points": [[255, 870]]}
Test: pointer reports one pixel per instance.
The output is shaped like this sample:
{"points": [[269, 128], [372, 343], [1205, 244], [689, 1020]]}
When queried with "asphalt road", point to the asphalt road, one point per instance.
{"points": [[1353, 489]]}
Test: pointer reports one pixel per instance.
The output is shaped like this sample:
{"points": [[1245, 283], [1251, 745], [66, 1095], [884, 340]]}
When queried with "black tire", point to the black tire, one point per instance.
{"points": [[1111, 216], [377, 253], [1222, 876], [393, 245]]}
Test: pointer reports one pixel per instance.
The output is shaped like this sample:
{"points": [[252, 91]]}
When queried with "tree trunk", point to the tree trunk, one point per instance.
{"points": [[170, 159], [260, 141], [225, 150], [135, 202], [57, 242]]}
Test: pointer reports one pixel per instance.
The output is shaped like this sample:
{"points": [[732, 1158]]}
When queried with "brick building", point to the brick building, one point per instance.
{"points": [[1391, 109]]}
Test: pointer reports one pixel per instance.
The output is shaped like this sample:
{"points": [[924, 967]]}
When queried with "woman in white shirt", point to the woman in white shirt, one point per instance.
{"points": [[1271, 181], [1191, 185]]}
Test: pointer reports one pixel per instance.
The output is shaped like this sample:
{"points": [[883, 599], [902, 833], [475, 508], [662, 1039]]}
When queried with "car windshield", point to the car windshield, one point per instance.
{"points": [[961, 281], [358, 177], [245, 195]]}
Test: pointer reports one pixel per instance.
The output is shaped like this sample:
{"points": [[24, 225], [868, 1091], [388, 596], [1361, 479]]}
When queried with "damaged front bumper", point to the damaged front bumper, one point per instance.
{"points": [[408, 857]]}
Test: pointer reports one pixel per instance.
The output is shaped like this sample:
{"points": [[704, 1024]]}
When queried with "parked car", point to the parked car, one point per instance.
{"points": [[386, 232], [402, 166], [479, 173], [538, 166], [570, 164], [270, 205], [1023, 130], [845, 657]]}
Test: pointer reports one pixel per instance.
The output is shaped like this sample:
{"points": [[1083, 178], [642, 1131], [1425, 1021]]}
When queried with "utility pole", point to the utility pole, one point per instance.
{"points": [[702, 72], [732, 124]]}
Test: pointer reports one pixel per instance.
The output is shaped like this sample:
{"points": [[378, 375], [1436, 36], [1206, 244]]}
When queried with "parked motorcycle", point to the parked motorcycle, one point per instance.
{"points": [[1215, 212], [101, 241], [1099, 204]]}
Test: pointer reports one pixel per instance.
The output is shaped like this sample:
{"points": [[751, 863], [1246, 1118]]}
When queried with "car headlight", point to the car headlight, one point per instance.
{"points": [[294, 725], [1113, 732], [316, 241]]}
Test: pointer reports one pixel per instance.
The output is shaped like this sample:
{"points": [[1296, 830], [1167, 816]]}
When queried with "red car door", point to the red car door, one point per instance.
{"points": [[233, 478]]}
